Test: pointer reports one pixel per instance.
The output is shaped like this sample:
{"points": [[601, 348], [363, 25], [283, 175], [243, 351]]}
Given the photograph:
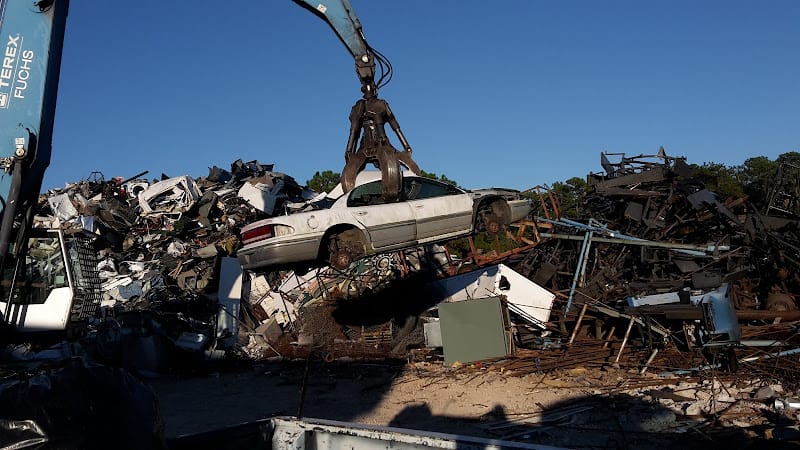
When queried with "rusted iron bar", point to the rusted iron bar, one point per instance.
{"points": [[610, 336], [624, 339], [649, 360], [578, 322]]}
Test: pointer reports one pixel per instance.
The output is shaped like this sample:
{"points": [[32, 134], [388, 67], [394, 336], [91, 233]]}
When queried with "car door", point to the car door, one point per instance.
{"points": [[389, 225], [440, 209]]}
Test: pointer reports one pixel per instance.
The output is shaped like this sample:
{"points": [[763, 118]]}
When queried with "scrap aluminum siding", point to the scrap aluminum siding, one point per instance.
{"points": [[660, 299], [317, 434], [62, 207], [262, 197], [181, 192], [525, 298]]}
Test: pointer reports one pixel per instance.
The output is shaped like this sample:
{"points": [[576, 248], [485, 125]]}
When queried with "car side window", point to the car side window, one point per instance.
{"points": [[420, 188], [366, 194]]}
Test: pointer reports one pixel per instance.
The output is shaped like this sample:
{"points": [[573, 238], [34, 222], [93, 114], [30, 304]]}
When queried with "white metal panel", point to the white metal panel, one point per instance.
{"points": [[523, 295], [317, 434], [52, 315], [229, 297], [263, 197]]}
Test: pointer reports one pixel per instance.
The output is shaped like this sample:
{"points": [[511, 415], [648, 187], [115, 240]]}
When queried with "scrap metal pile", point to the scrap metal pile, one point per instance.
{"points": [[174, 293], [657, 270], [660, 262], [161, 245], [655, 277]]}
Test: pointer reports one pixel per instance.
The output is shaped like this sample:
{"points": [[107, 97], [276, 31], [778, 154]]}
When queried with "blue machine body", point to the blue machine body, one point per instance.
{"points": [[340, 16], [31, 41]]}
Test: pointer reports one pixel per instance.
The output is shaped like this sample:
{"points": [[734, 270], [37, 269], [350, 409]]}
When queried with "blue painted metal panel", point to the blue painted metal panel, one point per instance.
{"points": [[31, 40], [340, 16]]}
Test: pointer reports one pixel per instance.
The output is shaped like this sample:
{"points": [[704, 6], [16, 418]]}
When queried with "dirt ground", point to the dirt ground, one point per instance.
{"points": [[579, 408]]}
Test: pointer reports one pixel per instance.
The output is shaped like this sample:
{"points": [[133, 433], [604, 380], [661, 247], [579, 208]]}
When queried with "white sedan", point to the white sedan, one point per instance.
{"points": [[361, 223]]}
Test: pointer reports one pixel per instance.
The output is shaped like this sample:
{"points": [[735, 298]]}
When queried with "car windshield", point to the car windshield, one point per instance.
{"points": [[414, 188]]}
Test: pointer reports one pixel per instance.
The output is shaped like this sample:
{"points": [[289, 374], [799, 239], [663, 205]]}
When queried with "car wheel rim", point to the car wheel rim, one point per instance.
{"points": [[344, 249], [341, 259], [493, 225]]}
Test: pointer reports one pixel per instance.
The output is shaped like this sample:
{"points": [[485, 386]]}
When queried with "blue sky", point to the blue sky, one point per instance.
{"points": [[512, 93]]}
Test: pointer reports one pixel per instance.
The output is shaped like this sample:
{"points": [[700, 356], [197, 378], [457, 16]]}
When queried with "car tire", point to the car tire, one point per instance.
{"points": [[492, 217], [345, 248]]}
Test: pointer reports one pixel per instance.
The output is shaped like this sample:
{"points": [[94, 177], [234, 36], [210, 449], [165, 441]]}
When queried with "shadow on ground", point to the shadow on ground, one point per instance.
{"points": [[591, 422], [603, 422]]}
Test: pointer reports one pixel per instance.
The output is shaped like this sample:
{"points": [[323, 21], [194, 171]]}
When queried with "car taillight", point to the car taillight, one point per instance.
{"points": [[258, 233]]}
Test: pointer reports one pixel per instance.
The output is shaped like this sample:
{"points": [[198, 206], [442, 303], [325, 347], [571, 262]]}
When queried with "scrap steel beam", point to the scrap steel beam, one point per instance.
{"points": [[703, 249], [580, 271]]}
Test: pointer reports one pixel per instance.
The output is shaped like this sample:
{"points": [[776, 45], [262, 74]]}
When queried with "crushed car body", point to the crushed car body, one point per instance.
{"points": [[361, 222]]}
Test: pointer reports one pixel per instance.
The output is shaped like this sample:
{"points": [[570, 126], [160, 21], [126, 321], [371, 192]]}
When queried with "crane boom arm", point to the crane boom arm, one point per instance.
{"points": [[340, 16], [342, 19], [344, 22], [31, 41]]}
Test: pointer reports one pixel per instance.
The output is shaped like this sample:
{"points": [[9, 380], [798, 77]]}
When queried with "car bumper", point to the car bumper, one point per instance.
{"points": [[264, 254]]}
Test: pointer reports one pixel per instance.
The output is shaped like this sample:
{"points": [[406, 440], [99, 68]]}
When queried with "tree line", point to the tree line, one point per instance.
{"points": [[755, 178]]}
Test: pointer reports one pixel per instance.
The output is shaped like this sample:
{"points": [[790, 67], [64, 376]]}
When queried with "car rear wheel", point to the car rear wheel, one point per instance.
{"points": [[492, 217], [344, 248]]}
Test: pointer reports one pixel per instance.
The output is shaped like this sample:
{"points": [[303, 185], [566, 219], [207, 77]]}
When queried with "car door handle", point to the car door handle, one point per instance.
{"points": [[419, 206], [361, 213]]}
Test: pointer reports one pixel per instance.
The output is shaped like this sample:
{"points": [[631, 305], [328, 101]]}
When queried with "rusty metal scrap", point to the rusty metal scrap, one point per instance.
{"points": [[160, 243], [634, 276], [652, 243]]}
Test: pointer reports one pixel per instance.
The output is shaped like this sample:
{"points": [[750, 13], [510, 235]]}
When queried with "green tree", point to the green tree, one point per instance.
{"points": [[720, 179], [571, 195], [323, 181], [757, 177]]}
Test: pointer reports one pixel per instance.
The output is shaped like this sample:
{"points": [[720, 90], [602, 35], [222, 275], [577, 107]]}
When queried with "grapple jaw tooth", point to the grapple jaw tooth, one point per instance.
{"points": [[391, 174], [390, 163]]}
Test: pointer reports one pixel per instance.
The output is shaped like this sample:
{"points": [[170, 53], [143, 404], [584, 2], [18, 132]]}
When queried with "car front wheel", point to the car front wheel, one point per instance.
{"points": [[344, 248]]}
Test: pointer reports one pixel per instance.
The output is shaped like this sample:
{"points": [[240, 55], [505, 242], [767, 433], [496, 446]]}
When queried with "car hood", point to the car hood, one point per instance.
{"points": [[510, 194]]}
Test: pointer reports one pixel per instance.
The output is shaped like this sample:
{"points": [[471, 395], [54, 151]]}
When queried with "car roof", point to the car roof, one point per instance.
{"points": [[364, 177]]}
